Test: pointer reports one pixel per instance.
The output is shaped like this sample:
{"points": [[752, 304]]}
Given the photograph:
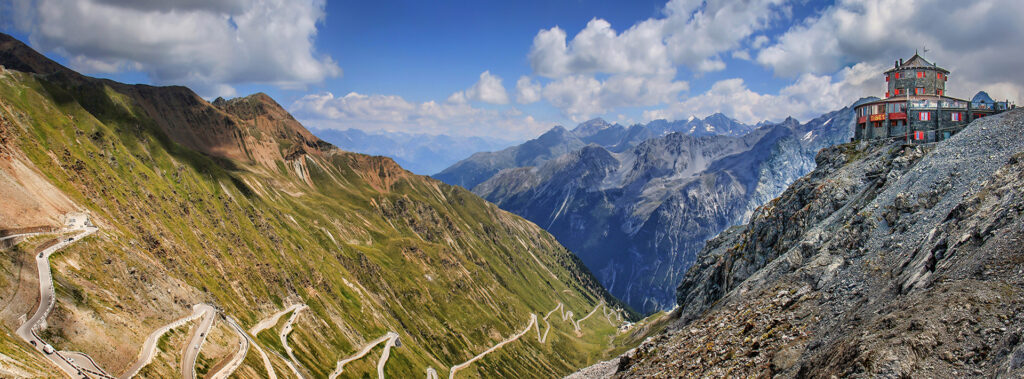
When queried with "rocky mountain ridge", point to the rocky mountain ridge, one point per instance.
{"points": [[558, 141], [888, 260]]}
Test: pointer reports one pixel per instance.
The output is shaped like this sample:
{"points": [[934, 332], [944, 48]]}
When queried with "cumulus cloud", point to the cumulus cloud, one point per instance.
{"points": [[976, 40], [640, 50], [690, 32], [209, 45], [394, 113], [581, 97], [488, 89], [810, 96], [527, 91]]}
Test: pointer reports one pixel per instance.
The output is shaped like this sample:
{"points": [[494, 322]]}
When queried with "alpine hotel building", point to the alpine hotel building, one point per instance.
{"points": [[916, 108]]}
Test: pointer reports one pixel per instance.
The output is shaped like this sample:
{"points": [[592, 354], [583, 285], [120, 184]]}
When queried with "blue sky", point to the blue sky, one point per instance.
{"points": [[514, 69]]}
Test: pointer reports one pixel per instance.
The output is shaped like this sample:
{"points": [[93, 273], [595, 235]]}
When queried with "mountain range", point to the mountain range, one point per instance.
{"points": [[145, 231], [637, 204], [558, 141]]}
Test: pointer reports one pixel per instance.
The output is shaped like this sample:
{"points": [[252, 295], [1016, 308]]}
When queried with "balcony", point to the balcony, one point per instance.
{"points": [[933, 104]]}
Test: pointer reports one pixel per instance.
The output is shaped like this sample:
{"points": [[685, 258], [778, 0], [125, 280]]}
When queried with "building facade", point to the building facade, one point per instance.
{"points": [[916, 108]]}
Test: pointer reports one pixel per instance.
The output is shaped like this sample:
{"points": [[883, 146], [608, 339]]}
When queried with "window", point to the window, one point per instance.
{"points": [[919, 91], [887, 78], [957, 116], [887, 94], [897, 75], [920, 74], [899, 91], [938, 92], [938, 76], [924, 116]]}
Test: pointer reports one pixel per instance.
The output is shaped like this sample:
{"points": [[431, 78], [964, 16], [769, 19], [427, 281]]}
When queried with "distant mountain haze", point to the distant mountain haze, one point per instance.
{"points": [[423, 154]]}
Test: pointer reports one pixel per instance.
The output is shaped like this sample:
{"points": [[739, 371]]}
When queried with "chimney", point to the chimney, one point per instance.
{"points": [[896, 64], [901, 61]]}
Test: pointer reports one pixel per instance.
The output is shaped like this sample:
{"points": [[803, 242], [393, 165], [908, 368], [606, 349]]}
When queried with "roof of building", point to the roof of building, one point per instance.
{"points": [[982, 97], [917, 61]]}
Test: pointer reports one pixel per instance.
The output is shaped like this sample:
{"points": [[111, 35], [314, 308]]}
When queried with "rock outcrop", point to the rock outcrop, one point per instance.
{"points": [[888, 260]]}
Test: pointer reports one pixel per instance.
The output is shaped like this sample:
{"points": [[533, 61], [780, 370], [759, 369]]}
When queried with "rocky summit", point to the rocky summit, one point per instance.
{"points": [[888, 260]]}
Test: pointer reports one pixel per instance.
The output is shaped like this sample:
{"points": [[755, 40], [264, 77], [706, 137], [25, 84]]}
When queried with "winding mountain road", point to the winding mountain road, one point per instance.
{"points": [[188, 359], [390, 337], [46, 301], [285, 331], [265, 324], [460, 366], [243, 348], [76, 364], [148, 350], [271, 320]]}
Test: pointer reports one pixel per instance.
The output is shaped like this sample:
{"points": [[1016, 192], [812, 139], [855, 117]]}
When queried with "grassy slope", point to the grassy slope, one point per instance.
{"points": [[447, 271]]}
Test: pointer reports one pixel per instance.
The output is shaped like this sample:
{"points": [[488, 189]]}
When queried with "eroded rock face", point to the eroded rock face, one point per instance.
{"points": [[886, 261]]}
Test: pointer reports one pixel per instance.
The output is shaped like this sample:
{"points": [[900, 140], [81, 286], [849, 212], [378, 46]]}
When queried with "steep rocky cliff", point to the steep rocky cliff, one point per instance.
{"points": [[886, 261]]}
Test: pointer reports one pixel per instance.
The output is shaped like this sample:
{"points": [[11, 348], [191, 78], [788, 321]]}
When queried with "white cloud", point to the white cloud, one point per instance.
{"points": [[209, 45], [527, 91], [697, 32], [759, 42], [808, 97], [488, 89], [581, 97], [394, 113], [691, 32], [640, 50], [976, 40]]}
